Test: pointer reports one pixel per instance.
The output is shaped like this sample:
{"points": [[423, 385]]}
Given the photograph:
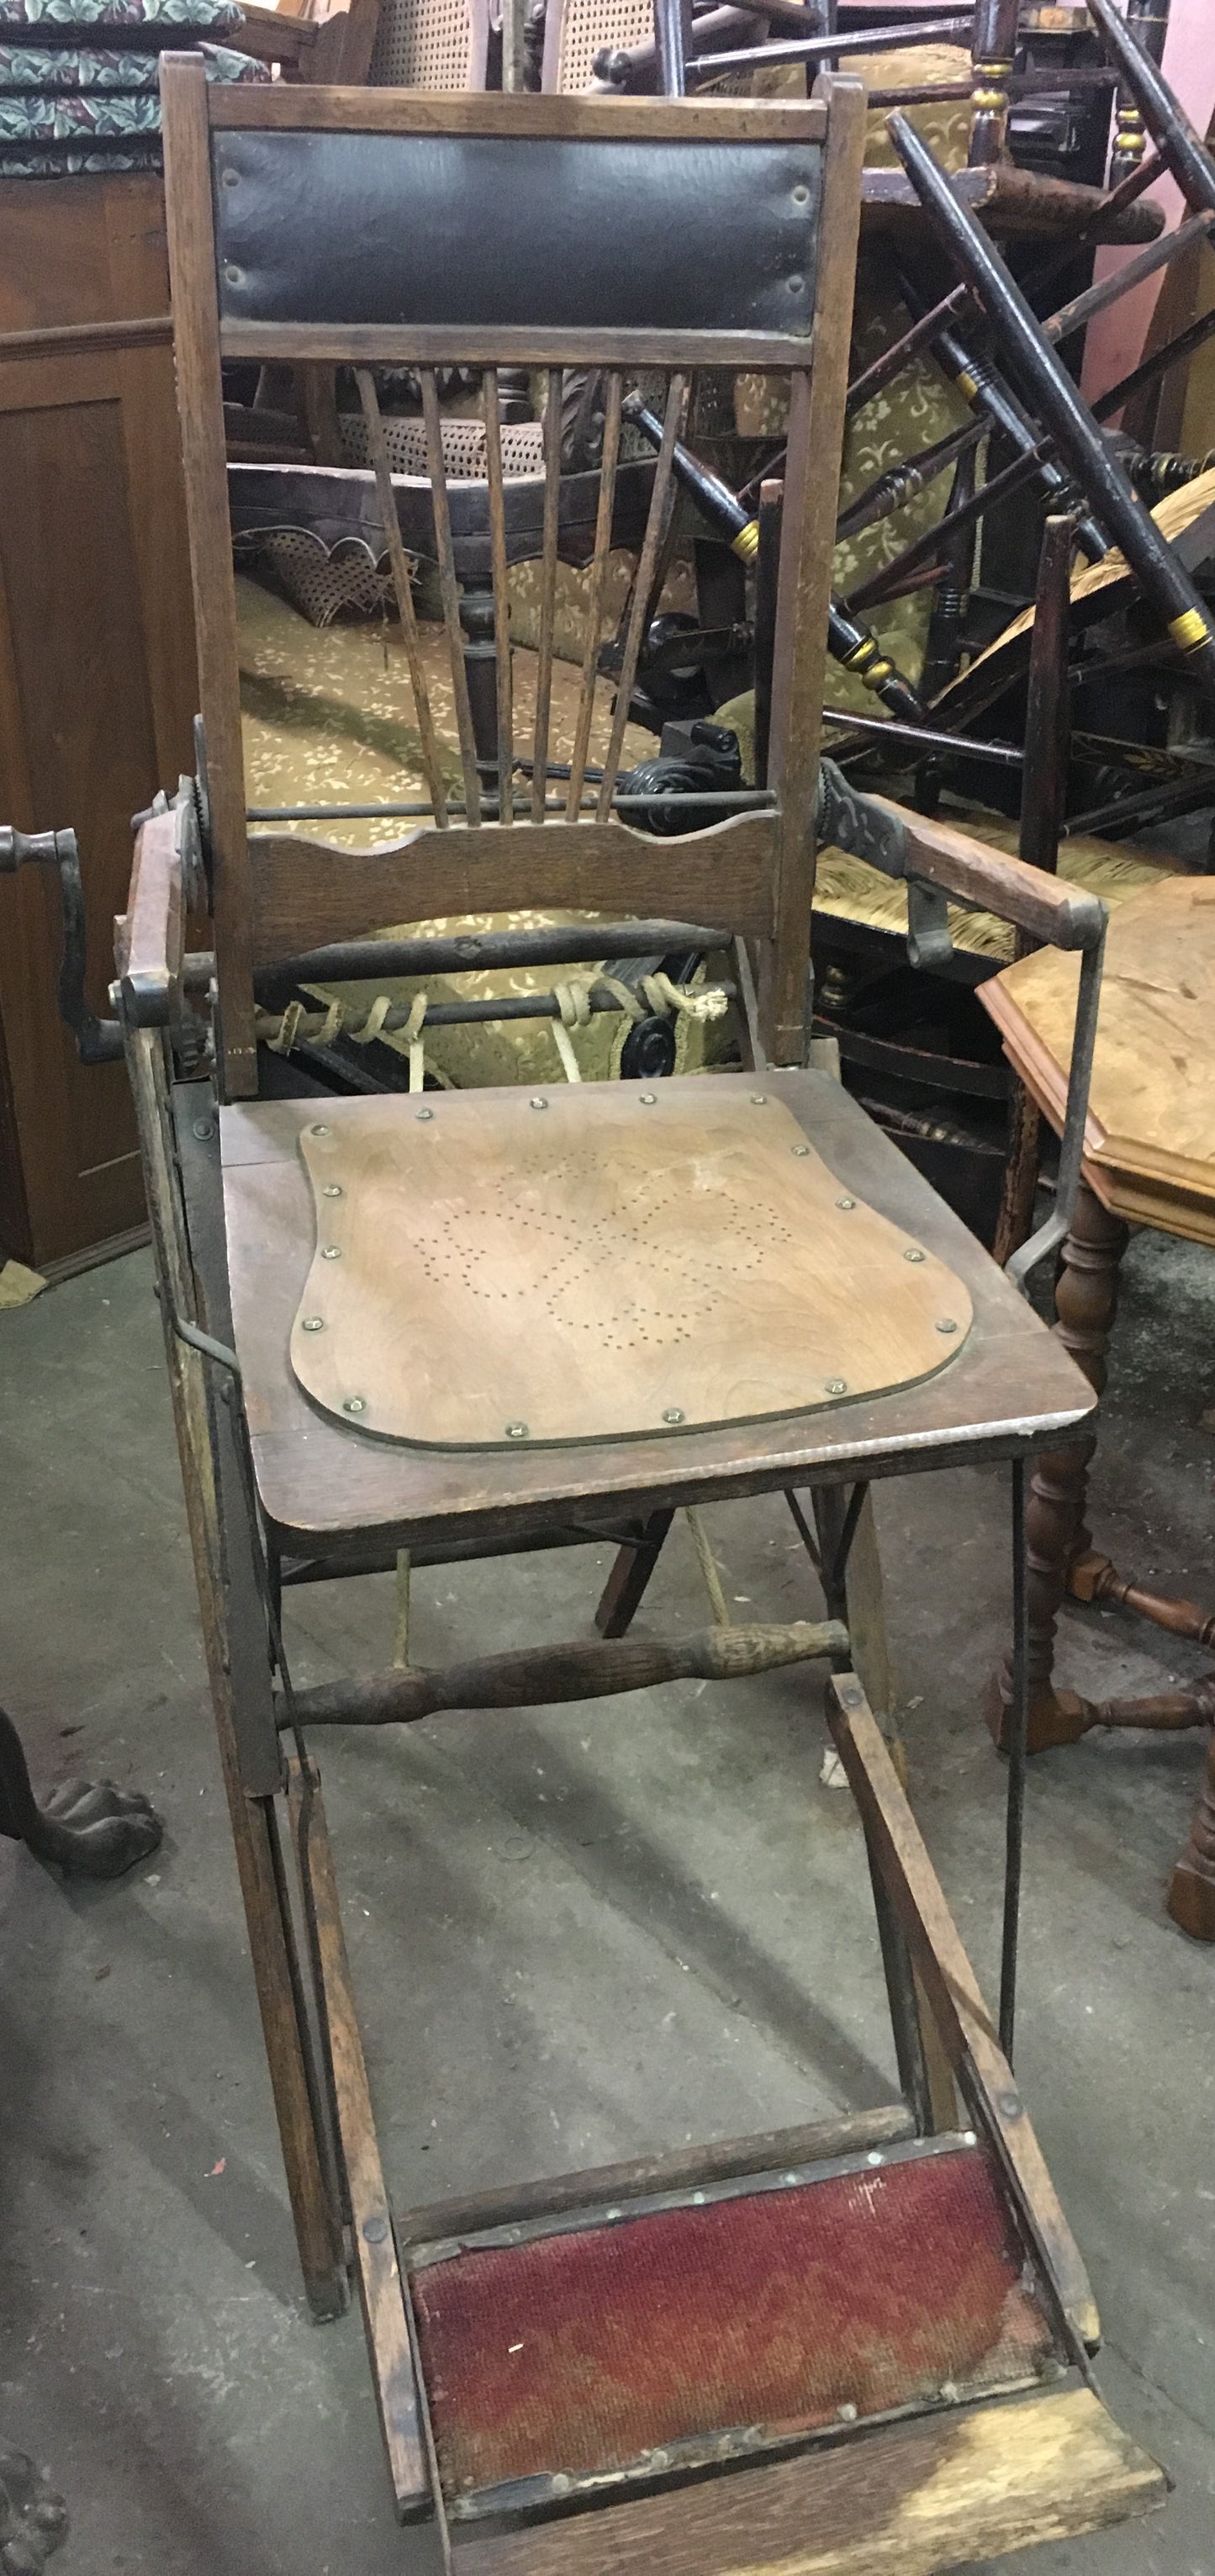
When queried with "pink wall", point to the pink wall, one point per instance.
{"points": [[1116, 338]]}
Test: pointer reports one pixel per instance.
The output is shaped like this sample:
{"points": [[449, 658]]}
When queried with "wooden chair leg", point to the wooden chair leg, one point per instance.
{"points": [[293, 2080], [1192, 1886], [237, 1667], [1086, 1301], [924, 2071], [622, 1593]]}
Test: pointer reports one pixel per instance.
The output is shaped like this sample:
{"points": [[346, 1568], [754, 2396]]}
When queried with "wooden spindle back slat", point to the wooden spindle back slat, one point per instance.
{"points": [[655, 530], [449, 592], [497, 538], [548, 589], [613, 397]]}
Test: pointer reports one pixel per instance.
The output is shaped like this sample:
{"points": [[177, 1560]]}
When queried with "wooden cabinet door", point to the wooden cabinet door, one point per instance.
{"points": [[97, 685]]}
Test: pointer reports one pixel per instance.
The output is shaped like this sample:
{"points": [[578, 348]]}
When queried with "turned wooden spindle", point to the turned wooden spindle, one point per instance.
{"points": [[1150, 20], [993, 48], [1192, 1886], [1086, 1300], [1093, 1578]]}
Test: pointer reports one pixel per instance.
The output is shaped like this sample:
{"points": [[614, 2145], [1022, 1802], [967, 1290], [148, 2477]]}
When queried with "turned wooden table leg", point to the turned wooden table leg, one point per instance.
{"points": [[1192, 1886], [1085, 1304]]}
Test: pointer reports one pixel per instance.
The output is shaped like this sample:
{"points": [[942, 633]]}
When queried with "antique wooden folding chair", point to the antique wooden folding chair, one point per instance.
{"points": [[480, 1323]]}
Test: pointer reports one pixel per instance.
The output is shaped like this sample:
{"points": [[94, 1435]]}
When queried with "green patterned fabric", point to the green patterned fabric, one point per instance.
{"points": [[69, 110], [148, 23], [79, 119], [35, 69]]}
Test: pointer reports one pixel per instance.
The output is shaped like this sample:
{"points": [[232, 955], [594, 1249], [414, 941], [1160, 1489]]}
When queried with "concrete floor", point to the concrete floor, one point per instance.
{"points": [[575, 1936]]}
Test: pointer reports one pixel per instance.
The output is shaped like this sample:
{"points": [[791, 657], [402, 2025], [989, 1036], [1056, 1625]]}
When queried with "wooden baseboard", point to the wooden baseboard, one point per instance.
{"points": [[132, 1239]]}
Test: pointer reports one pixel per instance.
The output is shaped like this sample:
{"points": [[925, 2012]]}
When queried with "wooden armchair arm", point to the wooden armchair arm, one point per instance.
{"points": [[988, 880], [937, 861], [935, 855], [149, 938]]}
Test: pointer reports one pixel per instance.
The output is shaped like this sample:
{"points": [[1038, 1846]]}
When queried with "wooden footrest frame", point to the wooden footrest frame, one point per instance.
{"points": [[842, 2352], [917, 2499]]}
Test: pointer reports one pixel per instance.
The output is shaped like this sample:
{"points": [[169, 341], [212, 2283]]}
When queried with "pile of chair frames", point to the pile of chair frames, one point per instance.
{"points": [[547, 362]]}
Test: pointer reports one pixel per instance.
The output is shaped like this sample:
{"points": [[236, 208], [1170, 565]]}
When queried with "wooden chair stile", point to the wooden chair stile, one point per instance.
{"points": [[731, 1286]]}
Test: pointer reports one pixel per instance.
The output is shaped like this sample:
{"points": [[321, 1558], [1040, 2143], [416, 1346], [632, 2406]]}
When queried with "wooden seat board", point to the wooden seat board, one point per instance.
{"points": [[1012, 1386], [592, 1261]]}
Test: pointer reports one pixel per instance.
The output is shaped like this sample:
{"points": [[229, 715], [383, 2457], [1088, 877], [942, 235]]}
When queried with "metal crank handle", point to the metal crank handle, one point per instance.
{"points": [[97, 1041]]}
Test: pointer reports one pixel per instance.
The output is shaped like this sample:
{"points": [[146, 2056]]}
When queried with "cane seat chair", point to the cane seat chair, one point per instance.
{"points": [[493, 1321]]}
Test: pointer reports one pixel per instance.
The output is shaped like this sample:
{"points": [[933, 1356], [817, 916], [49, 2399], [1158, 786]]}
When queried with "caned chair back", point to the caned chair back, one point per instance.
{"points": [[576, 30], [369, 229], [431, 44]]}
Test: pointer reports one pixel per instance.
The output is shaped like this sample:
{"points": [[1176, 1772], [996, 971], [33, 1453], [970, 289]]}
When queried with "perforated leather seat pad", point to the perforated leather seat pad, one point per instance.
{"points": [[596, 1261]]}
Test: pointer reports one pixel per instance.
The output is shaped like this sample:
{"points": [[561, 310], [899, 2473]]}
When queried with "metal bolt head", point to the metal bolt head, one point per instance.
{"points": [[423, 1113], [332, 1190], [795, 284], [537, 1103], [946, 1324], [949, 2392], [318, 1131], [233, 274], [914, 1254], [375, 2230], [355, 1404], [846, 2412], [837, 1386], [801, 196], [314, 1323], [204, 1129], [516, 1431], [673, 1413], [647, 1098], [561, 2484], [759, 1100], [875, 2158], [801, 1149], [659, 2459], [331, 1252], [846, 1203]]}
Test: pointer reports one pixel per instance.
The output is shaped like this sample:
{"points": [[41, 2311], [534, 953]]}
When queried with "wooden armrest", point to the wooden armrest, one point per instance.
{"points": [[276, 38], [150, 937], [987, 880]]}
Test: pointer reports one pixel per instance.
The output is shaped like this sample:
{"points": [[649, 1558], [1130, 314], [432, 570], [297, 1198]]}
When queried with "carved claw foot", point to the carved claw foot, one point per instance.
{"points": [[94, 1829], [89, 1829], [33, 2519]]}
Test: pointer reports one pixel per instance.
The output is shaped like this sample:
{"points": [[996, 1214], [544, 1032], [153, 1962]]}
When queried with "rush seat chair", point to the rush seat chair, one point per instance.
{"points": [[481, 1323]]}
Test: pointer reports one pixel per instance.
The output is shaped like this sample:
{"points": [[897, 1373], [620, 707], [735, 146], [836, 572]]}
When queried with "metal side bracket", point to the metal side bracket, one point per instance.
{"points": [[849, 820]]}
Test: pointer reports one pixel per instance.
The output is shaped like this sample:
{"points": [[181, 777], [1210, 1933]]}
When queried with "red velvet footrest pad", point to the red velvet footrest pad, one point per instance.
{"points": [[628, 2343]]}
